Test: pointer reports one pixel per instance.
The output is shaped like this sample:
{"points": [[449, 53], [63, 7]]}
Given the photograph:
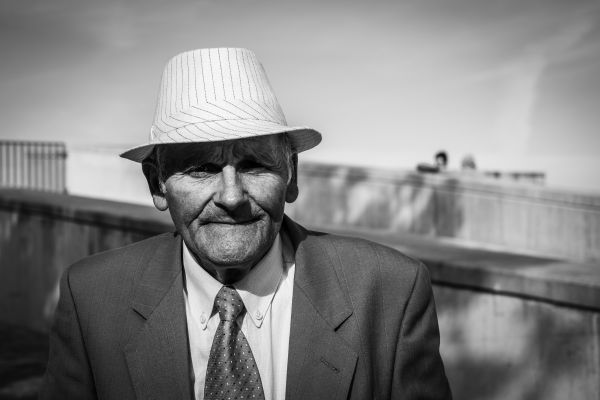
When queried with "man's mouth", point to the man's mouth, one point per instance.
{"points": [[231, 221]]}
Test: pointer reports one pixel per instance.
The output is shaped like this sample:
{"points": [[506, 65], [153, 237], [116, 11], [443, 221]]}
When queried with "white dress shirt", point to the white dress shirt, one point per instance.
{"points": [[267, 295]]}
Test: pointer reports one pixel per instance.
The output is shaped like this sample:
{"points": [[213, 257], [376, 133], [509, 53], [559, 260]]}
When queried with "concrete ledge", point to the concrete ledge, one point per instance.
{"points": [[543, 279], [453, 180], [514, 217], [104, 213]]}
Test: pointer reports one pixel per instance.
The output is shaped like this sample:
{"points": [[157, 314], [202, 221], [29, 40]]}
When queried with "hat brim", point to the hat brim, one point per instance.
{"points": [[301, 138]]}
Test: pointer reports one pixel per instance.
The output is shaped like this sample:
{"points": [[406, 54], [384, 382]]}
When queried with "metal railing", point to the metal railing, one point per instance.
{"points": [[33, 165]]}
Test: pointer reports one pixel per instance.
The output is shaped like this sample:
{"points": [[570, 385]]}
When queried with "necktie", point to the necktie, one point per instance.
{"points": [[232, 372]]}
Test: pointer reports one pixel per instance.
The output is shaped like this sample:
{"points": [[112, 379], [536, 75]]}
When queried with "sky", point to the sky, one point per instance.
{"points": [[388, 83]]}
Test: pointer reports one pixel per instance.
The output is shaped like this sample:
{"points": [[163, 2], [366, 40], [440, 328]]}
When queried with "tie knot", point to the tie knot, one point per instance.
{"points": [[229, 304]]}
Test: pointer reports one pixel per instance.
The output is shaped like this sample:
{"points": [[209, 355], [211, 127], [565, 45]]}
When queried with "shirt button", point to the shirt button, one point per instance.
{"points": [[202, 318], [258, 315]]}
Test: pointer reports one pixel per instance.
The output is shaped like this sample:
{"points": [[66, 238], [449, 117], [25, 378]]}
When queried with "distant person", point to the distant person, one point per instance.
{"points": [[468, 163], [441, 160], [240, 301], [440, 165]]}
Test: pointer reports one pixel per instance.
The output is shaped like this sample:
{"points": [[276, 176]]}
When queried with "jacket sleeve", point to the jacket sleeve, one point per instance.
{"points": [[68, 374], [419, 370]]}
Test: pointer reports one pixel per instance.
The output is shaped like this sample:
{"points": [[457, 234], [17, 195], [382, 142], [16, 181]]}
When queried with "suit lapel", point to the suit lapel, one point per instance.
{"points": [[320, 363], [158, 356]]}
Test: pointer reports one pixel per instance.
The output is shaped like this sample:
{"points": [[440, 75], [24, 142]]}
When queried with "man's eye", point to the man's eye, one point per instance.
{"points": [[206, 168], [249, 165]]}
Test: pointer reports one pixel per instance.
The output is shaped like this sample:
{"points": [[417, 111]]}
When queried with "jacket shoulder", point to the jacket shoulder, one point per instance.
{"points": [[366, 269], [122, 262], [358, 253]]}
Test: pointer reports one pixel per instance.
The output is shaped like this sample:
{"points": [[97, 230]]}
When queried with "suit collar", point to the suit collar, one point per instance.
{"points": [[320, 363], [316, 275], [158, 356], [164, 266]]}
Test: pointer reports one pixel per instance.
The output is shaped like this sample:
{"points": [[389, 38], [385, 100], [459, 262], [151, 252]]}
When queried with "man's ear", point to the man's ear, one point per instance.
{"points": [[150, 170], [291, 193]]}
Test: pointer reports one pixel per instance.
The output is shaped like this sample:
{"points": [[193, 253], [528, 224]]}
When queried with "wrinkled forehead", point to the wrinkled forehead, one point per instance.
{"points": [[267, 148]]}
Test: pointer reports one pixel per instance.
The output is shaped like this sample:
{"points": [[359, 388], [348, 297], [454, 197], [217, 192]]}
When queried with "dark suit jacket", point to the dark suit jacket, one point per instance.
{"points": [[363, 324]]}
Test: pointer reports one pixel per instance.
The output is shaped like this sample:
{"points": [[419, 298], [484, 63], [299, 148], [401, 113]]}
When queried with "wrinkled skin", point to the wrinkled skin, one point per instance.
{"points": [[226, 199]]}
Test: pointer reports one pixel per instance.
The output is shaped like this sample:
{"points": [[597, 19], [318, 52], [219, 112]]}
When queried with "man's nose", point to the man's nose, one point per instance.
{"points": [[231, 194]]}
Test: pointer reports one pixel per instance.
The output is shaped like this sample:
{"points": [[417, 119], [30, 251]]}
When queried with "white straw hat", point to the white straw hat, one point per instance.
{"points": [[212, 95]]}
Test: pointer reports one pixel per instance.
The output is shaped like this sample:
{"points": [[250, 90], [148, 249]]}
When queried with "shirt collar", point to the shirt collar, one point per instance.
{"points": [[201, 288], [256, 289]]}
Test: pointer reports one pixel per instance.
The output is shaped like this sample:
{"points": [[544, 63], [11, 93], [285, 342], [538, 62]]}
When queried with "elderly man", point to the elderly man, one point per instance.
{"points": [[240, 302]]}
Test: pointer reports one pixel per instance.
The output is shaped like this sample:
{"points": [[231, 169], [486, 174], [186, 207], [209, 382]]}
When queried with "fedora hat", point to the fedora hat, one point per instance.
{"points": [[211, 95]]}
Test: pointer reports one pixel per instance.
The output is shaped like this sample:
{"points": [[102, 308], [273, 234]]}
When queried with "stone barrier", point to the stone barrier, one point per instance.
{"points": [[513, 217]]}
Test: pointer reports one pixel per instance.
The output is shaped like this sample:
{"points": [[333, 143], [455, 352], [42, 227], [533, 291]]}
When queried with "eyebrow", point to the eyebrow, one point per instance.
{"points": [[263, 154]]}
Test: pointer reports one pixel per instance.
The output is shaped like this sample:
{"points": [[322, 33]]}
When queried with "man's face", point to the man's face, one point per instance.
{"points": [[227, 200]]}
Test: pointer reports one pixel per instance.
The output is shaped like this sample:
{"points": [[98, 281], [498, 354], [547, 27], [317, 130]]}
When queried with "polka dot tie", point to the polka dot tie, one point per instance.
{"points": [[232, 373]]}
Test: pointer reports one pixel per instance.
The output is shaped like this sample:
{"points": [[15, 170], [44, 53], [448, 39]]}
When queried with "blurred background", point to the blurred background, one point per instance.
{"points": [[508, 89]]}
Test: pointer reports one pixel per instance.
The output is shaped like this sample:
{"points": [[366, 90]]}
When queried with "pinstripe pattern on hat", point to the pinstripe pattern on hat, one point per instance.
{"points": [[209, 95]]}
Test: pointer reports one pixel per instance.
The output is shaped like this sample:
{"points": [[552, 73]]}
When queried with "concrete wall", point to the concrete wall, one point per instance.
{"points": [[473, 210], [512, 326], [41, 234], [498, 347]]}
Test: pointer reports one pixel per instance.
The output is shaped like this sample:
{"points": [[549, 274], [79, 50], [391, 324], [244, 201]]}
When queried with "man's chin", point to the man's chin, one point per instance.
{"points": [[233, 245], [234, 261]]}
